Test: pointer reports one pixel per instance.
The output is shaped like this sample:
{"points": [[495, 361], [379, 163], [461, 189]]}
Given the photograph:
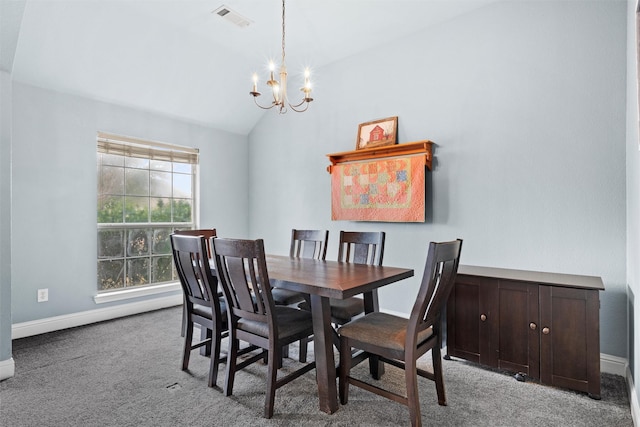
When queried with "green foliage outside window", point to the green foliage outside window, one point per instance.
{"points": [[111, 210]]}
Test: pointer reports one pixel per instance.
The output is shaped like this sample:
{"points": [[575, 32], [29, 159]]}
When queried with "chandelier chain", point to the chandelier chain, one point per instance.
{"points": [[282, 31]]}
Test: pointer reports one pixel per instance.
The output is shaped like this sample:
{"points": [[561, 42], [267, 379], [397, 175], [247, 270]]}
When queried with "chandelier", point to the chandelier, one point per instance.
{"points": [[279, 88]]}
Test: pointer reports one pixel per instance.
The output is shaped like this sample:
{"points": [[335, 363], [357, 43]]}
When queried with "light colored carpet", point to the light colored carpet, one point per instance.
{"points": [[126, 372]]}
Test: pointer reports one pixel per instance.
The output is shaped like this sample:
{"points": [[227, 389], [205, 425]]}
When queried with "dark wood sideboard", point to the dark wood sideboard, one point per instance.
{"points": [[544, 326]]}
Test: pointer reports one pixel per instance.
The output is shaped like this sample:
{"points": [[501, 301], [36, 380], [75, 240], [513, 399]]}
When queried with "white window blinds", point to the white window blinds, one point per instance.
{"points": [[134, 147]]}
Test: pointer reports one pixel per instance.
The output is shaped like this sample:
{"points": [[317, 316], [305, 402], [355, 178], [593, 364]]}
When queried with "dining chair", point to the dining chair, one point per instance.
{"points": [[202, 304], [361, 247], [399, 341], [208, 233], [304, 244], [253, 315]]}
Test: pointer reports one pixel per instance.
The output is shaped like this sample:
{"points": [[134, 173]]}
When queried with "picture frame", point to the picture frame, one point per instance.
{"points": [[377, 133]]}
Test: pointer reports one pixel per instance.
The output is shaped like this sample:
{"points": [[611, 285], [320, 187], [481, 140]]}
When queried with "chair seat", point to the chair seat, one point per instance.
{"points": [[204, 311], [291, 321], [382, 329], [342, 310], [283, 296]]}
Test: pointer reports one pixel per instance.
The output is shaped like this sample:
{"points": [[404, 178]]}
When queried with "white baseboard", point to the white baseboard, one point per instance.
{"points": [[633, 397], [7, 369], [50, 324], [613, 364]]}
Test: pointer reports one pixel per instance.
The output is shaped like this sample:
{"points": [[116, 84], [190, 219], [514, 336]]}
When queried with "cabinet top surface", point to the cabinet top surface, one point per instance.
{"points": [[559, 279]]}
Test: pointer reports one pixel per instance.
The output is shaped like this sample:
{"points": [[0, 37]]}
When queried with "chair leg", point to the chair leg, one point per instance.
{"points": [[302, 355], [205, 334], [345, 367], [284, 352], [188, 338], [335, 337], [231, 364], [215, 358], [272, 371], [413, 401], [437, 372], [184, 319]]}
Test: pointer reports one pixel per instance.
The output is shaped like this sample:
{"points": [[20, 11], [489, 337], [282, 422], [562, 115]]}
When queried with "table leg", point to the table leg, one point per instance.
{"points": [[323, 350], [376, 367]]}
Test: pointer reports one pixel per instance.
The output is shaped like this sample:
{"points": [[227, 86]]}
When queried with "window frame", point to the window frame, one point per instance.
{"points": [[151, 150]]}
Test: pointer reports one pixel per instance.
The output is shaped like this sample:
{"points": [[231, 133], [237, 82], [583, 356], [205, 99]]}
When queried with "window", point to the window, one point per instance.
{"points": [[145, 191]]}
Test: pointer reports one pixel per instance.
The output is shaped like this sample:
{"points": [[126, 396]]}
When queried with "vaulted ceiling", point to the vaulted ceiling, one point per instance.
{"points": [[176, 57]]}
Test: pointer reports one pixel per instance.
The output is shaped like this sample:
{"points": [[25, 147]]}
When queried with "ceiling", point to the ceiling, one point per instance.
{"points": [[176, 57]]}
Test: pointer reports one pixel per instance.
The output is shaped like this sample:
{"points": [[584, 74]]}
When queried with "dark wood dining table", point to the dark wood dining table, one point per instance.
{"points": [[330, 279]]}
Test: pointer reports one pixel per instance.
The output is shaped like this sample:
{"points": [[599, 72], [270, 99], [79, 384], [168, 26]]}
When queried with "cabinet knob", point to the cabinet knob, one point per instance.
{"points": [[483, 317], [533, 326], [545, 331]]}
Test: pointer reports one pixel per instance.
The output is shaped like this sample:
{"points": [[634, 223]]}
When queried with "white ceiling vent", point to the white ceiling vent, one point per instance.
{"points": [[233, 17]]}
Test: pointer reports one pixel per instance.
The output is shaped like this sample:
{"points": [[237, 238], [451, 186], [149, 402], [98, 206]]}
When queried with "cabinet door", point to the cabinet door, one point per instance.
{"points": [[570, 338], [517, 338], [469, 316]]}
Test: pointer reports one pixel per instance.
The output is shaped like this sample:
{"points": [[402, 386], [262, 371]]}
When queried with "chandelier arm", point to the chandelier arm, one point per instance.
{"points": [[255, 99], [297, 105], [293, 107]]}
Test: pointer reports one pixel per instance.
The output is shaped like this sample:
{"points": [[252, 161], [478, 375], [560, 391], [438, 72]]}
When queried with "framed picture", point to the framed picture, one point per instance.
{"points": [[377, 133]]}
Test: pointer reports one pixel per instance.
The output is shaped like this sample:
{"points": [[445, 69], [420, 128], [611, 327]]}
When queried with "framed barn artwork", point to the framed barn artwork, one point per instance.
{"points": [[377, 133]]}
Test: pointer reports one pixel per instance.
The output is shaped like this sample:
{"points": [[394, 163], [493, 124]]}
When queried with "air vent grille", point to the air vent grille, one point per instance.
{"points": [[233, 17]]}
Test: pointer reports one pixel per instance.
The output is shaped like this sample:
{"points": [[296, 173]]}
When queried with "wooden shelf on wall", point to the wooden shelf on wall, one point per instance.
{"points": [[406, 149]]}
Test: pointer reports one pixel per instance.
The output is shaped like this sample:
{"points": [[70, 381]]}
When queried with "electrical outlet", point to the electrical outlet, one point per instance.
{"points": [[43, 295]]}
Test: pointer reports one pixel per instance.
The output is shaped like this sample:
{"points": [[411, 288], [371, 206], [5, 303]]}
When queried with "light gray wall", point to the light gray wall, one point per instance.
{"points": [[633, 189], [5, 216], [54, 191], [526, 104], [10, 20], [525, 101]]}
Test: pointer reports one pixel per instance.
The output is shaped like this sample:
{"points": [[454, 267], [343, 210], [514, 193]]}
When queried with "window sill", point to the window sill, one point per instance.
{"points": [[135, 293]]}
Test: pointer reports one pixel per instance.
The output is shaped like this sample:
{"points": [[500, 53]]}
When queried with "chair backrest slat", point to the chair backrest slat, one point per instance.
{"points": [[439, 276], [362, 247], [309, 244]]}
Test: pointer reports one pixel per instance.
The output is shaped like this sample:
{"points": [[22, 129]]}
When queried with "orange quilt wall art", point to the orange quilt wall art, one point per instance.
{"points": [[388, 190]]}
